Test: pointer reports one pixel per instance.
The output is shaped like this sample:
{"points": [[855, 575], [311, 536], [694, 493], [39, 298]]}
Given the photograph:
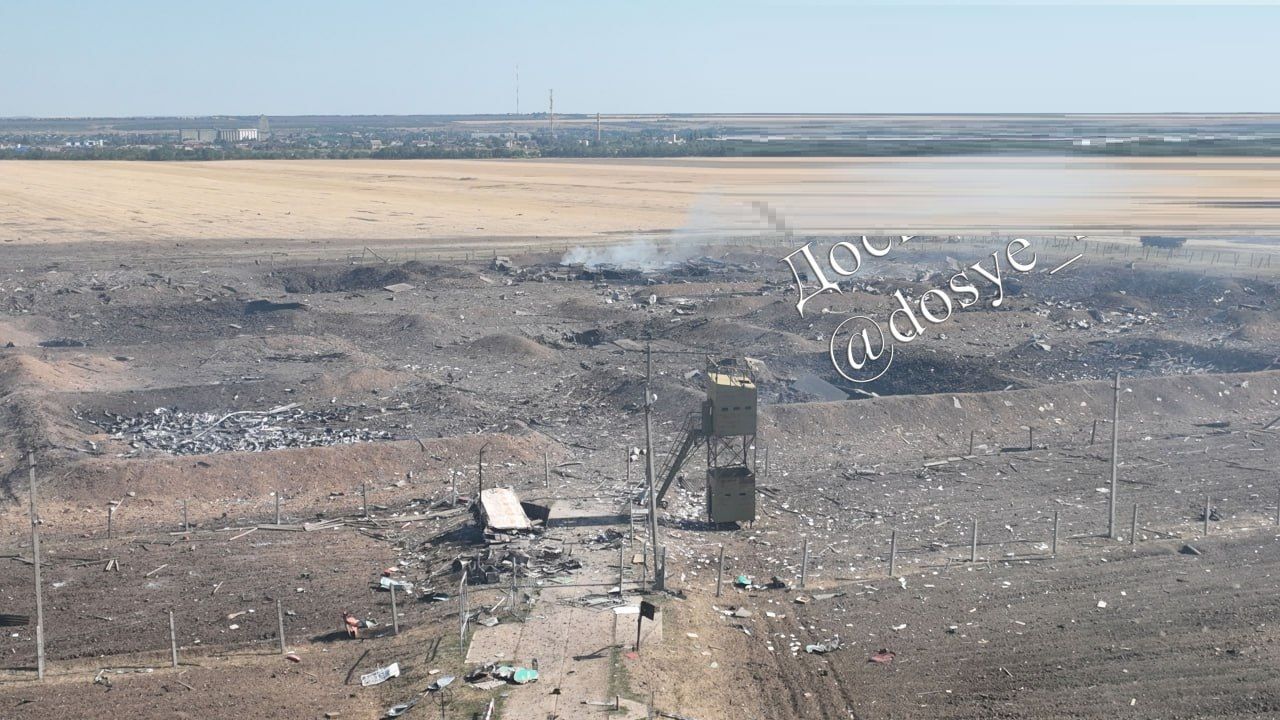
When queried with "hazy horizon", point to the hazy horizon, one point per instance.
{"points": [[533, 116], [144, 58]]}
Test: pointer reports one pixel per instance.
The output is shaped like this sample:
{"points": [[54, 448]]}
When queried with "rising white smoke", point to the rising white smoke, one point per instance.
{"points": [[636, 254], [709, 218]]}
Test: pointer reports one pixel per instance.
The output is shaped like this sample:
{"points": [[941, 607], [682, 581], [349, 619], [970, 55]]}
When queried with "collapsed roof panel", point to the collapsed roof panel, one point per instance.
{"points": [[501, 510]]}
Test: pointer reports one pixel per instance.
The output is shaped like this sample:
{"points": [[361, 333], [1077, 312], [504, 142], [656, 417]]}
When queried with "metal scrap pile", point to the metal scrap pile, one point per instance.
{"points": [[288, 426], [535, 561]]}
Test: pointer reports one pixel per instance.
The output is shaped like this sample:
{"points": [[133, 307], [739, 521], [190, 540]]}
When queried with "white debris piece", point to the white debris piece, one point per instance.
{"points": [[380, 675]]}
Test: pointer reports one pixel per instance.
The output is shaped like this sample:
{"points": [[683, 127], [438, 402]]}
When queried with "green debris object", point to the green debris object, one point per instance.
{"points": [[517, 675], [742, 581]]}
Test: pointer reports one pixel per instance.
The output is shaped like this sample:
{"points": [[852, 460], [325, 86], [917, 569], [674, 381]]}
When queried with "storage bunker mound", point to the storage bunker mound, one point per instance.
{"points": [[319, 279]]}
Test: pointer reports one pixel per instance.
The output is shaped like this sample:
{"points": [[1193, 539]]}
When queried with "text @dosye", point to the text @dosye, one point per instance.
{"points": [[859, 348]]}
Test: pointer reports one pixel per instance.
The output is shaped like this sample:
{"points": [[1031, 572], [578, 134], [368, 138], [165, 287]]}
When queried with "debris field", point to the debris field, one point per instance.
{"points": [[465, 435]]}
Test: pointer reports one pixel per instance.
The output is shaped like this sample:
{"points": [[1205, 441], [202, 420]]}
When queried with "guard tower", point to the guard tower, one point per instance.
{"points": [[729, 426]]}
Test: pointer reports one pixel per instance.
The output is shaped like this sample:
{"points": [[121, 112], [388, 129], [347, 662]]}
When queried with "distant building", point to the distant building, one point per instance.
{"points": [[264, 127], [500, 135], [238, 134], [199, 135]]}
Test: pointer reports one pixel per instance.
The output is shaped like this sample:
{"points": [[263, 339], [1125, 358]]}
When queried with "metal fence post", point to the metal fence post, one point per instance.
{"points": [[1055, 534], [720, 571], [804, 563], [395, 615], [893, 553], [1206, 516]]}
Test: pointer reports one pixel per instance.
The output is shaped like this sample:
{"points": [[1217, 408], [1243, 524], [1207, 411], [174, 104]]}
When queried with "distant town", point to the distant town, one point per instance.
{"points": [[590, 135]]}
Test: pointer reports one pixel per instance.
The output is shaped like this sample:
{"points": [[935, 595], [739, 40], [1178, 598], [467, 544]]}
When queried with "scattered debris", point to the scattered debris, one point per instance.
{"points": [[288, 426], [883, 657], [386, 583], [380, 675], [441, 683], [501, 674], [517, 675], [402, 708], [823, 647]]}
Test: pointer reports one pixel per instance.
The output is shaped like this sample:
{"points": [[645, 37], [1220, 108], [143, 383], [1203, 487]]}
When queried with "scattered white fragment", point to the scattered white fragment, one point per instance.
{"points": [[380, 675]]}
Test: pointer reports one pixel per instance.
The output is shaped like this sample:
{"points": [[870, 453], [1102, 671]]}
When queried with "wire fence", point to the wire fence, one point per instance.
{"points": [[1146, 514]]}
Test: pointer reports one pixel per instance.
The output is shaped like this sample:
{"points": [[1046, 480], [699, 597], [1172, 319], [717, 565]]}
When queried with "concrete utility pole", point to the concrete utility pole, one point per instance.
{"points": [[1115, 446], [973, 542], [658, 570], [551, 101], [35, 552], [597, 128], [462, 613], [280, 625], [173, 641]]}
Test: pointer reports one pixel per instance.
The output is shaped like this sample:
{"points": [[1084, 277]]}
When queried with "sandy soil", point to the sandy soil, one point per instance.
{"points": [[433, 201]]}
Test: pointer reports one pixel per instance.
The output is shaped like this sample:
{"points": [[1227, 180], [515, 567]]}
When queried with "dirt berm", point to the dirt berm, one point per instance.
{"points": [[940, 424]]}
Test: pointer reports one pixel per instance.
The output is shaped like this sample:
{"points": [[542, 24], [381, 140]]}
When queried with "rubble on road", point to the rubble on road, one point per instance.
{"points": [[498, 675]]}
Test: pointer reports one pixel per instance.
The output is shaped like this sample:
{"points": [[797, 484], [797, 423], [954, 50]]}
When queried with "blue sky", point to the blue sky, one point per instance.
{"points": [[145, 57]]}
